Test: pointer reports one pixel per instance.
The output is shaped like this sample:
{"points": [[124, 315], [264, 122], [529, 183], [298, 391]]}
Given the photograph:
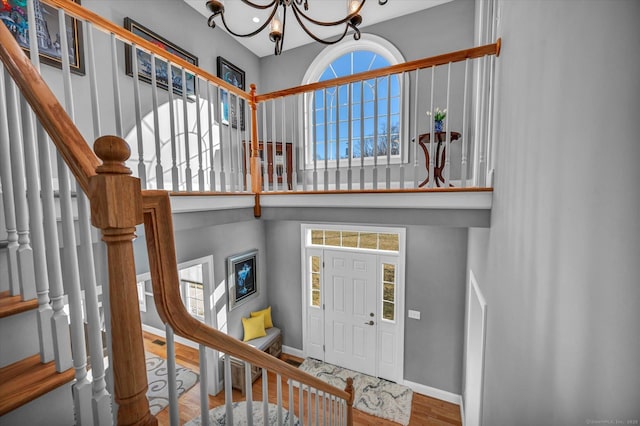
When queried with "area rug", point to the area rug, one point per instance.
{"points": [[218, 415], [378, 397], [158, 392]]}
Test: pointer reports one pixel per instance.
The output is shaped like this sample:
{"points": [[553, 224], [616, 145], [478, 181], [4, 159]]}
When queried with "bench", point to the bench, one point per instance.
{"points": [[271, 344]]}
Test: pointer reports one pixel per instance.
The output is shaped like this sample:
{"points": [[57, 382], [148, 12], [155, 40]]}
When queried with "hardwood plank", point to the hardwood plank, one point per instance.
{"points": [[11, 305], [424, 410], [28, 379]]}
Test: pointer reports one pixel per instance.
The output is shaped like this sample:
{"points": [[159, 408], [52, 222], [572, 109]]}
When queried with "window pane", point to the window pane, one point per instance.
{"points": [[315, 261], [389, 242], [388, 311], [315, 298], [315, 281], [349, 239], [388, 293], [389, 273], [332, 238], [317, 237], [368, 240]]}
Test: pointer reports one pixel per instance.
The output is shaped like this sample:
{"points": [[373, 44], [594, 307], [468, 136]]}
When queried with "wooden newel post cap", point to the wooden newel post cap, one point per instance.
{"points": [[113, 151], [116, 197]]}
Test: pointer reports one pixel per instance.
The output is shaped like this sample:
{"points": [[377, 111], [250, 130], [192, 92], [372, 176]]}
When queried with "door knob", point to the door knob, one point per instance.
{"points": [[369, 323]]}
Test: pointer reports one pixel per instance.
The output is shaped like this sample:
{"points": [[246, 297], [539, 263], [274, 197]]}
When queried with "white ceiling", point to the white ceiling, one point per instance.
{"points": [[239, 17]]}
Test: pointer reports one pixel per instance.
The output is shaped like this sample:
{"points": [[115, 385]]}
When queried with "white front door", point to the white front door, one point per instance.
{"points": [[350, 282]]}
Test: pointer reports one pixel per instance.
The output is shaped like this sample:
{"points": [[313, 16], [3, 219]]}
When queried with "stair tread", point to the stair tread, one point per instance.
{"points": [[11, 305], [28, 379]]}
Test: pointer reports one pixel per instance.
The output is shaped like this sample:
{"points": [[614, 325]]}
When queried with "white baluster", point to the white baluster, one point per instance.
{"points": [[464, 160], [212, 173], [81, 388], [279, 392], [24, 252], [291, 404], [317, 406], [326, 141], [37, 234], [388, 169], [185, 116], [232, 164], [337, 121], [315, 143], [240, 155], [375, 134], [227, 389], [264, 159], [274, 177], [265, 396], [7, 194], [416, 135], [204, 395], [285, 172], [403, 82], [156, 124], [115, 72], [432, 135], [175, 173], [350, 138], [223, 183], [447, 133], [294, 143], [248, 391], [300, 403], [362, 143], [142, 169], [199, 131]]}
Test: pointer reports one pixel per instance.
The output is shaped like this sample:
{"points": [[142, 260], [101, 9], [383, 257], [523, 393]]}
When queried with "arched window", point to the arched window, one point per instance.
{"points": [[373, 107]]}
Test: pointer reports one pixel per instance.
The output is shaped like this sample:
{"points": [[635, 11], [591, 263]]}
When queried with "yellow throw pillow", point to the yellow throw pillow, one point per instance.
{"points": [[253, 328], [266, 314]]}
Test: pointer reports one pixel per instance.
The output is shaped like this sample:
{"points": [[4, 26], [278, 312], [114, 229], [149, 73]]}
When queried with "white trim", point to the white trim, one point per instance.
{"points": [[440, 394], [474, 290], [462, 411], [472, 200], [292, 351], [196, 203]]}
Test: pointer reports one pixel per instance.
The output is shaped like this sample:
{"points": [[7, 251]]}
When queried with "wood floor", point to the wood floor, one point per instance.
{"points": [[424, 410]]}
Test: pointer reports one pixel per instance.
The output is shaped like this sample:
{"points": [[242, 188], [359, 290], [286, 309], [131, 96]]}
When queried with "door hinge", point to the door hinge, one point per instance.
{"points": [[323, 349], [323, 306]]}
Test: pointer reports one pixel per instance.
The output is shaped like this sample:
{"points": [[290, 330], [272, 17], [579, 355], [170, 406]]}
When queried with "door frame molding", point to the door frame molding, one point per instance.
{"points": [[400, 284]]}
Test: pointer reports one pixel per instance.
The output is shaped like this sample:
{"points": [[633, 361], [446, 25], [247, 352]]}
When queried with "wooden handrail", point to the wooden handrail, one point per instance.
{"points": [[166, 294], [79, 12], [71, 145], [458, 56]]}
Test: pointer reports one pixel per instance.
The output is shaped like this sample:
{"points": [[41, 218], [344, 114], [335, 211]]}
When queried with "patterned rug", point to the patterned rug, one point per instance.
{"points": [[158, 392], [218, 415], [378, 397]]}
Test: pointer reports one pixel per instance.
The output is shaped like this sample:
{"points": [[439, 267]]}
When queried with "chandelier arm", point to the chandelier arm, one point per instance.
{"points": [[316, 38], [327, 24], [278, 44], [260, 6], [259, 29]]}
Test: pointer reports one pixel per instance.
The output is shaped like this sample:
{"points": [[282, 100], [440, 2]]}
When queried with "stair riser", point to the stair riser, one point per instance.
{"points": [[19, 337], [54, 408]]}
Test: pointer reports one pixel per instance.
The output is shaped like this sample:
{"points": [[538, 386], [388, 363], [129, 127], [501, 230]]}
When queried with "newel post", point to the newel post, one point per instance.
{"points": [[349, 389], [116, 208], [256, 166]]}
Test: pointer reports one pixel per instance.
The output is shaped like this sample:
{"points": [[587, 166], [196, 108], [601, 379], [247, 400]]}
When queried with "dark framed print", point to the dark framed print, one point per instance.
{"points": [[162, 74], [235, 76], [242, 278], [14, 16]]}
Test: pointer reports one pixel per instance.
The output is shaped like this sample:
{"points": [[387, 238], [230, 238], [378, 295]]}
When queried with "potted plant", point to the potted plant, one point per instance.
{"points": [[438, 118]]}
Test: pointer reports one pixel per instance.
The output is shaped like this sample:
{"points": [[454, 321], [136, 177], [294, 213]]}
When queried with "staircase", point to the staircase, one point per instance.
{"points": [[31, 392]]}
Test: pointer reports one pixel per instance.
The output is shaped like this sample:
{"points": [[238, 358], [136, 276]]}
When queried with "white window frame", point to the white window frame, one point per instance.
{"points": [[379, 46]]}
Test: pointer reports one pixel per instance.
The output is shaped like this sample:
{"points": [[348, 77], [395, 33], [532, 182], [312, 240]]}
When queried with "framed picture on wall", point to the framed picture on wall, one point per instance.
{"points": [[235, 76], [162, 74], [14, 17], [242, 278]]}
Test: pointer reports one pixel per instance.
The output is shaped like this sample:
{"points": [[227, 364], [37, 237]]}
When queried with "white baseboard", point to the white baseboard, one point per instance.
{"points": [[292, 351], [462, 410], [434, 393], [163, 334]]}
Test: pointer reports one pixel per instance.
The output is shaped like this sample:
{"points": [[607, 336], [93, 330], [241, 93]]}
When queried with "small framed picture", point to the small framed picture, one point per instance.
{"points": [[162, 74], [242, 278], [14, 16], [235, 76]]}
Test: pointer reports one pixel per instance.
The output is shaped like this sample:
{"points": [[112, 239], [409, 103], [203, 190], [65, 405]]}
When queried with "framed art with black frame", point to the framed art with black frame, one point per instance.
{"points": [[242, 278], [14, 17], [162, 75], [235, 76]]}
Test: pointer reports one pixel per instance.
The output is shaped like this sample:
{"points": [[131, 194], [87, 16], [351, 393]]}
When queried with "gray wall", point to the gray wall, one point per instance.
{"points": [[221, 241], [561, 268], [435, 278]]}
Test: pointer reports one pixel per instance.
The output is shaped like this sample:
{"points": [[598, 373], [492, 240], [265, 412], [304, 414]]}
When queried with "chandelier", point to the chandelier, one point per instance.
{"points": [[277, 27]]}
